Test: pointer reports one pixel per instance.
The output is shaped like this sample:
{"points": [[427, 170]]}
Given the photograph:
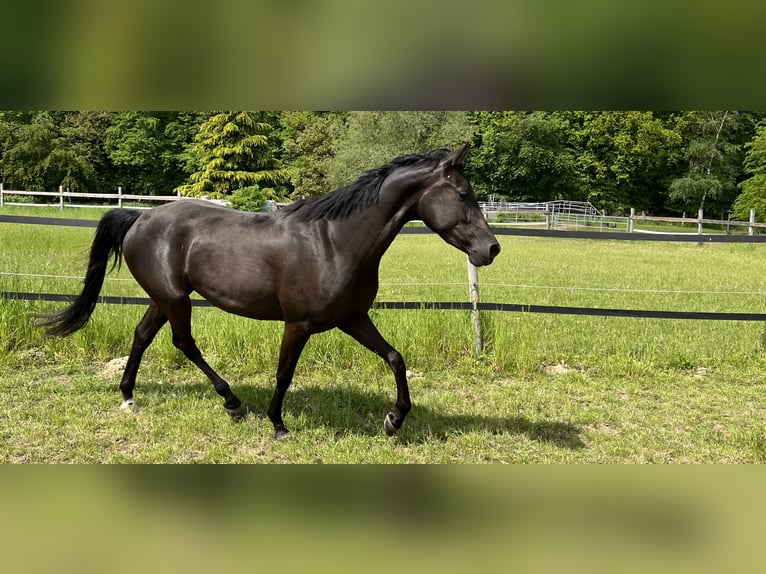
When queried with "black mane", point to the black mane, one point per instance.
{"points": [[360, 194]]}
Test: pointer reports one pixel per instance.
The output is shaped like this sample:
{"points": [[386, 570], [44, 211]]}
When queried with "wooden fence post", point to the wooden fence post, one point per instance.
{"points": [[473, 292], [119, 196], [1, 194], [61, 197], [631, 219], [751, 228]]}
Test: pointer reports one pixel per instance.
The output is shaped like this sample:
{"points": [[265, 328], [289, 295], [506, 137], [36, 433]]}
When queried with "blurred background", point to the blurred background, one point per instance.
{"points": [[339, 54], [341, 519]]}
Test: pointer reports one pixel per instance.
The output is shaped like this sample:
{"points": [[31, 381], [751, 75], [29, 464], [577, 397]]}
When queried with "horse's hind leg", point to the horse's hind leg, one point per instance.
{"points": [[180, 319], [294, 339], [145, 332]]}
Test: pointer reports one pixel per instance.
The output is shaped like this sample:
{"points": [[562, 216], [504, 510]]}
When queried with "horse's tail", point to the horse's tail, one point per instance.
{"points": [[110, 233]]}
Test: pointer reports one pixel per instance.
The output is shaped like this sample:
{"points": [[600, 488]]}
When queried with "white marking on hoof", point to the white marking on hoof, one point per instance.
{"points": [[129, 405], [388, 425]]}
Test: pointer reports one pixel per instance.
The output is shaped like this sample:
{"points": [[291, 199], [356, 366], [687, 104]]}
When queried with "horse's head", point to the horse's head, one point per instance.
{"points": [[448, 206]]}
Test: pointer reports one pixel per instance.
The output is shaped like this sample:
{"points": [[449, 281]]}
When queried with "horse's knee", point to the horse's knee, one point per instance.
{"points": [[187, 346]]}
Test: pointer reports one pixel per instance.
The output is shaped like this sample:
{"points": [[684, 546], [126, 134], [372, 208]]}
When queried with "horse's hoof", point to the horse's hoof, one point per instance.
{"points": [[129, 405], [237, 414], [388, 425], [281, 432]]}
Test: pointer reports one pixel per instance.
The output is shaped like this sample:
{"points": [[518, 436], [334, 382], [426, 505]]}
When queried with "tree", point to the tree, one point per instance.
{"points": [[714, 158], [375, 138], [85, 132], [309, 141], [753, 194], [149, 149], [35, 155], [624, 157], [232, 151], [523, 155]]}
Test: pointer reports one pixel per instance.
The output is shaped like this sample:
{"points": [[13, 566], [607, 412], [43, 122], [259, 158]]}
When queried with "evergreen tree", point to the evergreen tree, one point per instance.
{"points": [[309, 141], [232, 150]]}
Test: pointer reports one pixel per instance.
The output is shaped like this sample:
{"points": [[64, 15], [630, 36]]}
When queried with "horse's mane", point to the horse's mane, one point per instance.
{"points": [[360, 194]]}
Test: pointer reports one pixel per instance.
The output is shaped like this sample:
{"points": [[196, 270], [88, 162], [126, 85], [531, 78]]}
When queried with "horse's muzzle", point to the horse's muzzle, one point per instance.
{"points": [[485, 255]]}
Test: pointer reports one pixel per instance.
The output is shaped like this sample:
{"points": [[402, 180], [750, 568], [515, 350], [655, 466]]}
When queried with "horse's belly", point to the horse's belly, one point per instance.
{"points": [[254, 305]]}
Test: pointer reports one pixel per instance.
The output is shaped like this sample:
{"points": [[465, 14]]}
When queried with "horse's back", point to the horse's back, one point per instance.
{"points": [[225, 255]]}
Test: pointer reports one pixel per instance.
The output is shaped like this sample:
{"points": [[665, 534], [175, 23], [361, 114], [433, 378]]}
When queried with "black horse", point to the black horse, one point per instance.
{"points": [[313, 265]]}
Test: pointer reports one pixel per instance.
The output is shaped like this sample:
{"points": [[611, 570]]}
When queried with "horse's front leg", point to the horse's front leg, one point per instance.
{"points": [[294, 339], [363, 330]]}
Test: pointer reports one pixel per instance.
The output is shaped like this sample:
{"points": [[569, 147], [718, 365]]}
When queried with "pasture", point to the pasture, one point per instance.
{"points": [[548, 388]]}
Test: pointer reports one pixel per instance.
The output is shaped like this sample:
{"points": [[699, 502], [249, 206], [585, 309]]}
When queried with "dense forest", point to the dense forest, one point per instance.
{"points": [[661, 163]]}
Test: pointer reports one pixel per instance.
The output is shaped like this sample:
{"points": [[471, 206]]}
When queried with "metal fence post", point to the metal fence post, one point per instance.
{"points": [[473, 292]]}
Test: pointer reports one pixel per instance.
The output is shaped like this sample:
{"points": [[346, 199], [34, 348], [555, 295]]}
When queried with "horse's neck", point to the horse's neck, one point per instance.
{"points": [[372, 230]]}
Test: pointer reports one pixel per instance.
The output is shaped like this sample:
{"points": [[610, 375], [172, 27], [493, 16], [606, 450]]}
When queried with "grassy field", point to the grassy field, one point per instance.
{"points": [[548, 388]]}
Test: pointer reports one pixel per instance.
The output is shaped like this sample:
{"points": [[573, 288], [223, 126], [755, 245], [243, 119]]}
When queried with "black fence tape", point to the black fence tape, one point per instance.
{"points": [[527, 232], [441, 305]]}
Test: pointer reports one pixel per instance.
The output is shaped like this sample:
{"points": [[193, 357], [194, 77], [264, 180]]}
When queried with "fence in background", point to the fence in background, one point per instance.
{"points": [[578, 215], [549, 215], [64, 198]]}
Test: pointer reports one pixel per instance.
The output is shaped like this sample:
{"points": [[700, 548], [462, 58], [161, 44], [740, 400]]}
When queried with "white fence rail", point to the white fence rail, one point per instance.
{"points": [[560, 207], [64, 195], [574, 216]]}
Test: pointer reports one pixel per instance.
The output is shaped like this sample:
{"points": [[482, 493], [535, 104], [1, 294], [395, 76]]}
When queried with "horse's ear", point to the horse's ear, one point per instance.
{"points": [[457, 157]]}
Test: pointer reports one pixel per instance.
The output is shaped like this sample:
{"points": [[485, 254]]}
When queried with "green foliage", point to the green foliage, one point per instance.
{"points": [[714, 157], [232, 151], [624, 158], [308, 146], [657, 162], [753, 194], [148, 149], [523, 156], [374, 138], [615, 160], [251, 198], [36, 155]]}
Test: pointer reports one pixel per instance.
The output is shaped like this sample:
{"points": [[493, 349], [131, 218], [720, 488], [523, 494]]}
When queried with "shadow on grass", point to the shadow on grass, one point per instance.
{"points": [[349, 410]]}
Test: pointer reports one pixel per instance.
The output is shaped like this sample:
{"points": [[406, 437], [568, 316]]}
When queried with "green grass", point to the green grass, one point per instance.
{"points": [[549, 388]]}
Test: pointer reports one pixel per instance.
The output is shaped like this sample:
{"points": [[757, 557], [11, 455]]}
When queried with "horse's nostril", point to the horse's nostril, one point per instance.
{"points": [[494, 249]]}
